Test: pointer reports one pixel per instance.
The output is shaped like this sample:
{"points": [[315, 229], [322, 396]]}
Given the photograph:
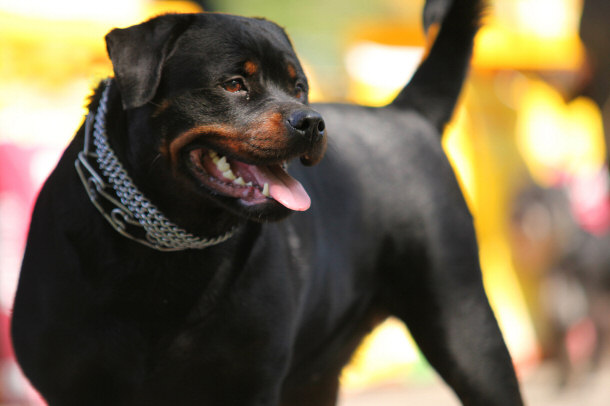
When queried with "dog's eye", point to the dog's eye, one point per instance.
{"points": [[300, 91], [234, 85]]}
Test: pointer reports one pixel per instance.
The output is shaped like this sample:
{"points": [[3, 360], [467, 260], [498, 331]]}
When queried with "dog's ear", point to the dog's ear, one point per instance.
{"points": [[138, 52]]}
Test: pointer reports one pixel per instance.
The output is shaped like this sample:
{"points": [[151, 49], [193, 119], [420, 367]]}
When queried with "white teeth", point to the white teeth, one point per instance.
{"points": [[214, 156], [229, 174], [223, 165]]}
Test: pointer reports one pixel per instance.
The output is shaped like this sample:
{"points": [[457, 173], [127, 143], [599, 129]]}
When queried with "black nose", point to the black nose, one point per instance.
{"points": [[307, 123]]}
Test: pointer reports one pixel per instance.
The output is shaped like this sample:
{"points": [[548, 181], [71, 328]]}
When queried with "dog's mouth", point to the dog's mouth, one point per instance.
{"points": [[250, 184]]}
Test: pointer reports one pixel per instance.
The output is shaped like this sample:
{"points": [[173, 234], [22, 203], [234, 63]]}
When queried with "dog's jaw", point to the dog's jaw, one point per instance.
{"points": [[251, 184], [242, 168]]}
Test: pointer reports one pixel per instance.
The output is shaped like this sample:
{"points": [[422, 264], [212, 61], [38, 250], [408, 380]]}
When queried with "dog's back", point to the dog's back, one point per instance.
{"points": [[386, 148]]}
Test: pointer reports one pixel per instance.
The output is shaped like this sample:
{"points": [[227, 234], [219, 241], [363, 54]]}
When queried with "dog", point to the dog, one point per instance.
{"points": [[172, 258]]}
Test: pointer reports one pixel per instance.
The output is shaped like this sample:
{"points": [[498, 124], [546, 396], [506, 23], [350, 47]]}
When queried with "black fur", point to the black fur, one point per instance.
{"points": [[272, 315]]}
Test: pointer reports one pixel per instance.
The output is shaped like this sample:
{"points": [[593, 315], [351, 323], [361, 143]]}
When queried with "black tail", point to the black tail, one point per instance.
{"points": [[436, 85]]}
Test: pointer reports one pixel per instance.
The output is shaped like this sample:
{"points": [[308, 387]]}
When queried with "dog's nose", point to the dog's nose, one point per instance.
{"points": [[308, 123]]}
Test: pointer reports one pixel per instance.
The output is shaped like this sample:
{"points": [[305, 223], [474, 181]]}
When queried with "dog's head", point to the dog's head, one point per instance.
{"points": [[224, 101]]}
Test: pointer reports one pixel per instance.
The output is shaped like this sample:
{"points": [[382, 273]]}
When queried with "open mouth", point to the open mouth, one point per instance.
{"points": [[251, 184]]}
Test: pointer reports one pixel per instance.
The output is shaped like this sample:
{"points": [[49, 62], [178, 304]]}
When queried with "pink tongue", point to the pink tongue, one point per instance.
{"points": [[285, 189]]}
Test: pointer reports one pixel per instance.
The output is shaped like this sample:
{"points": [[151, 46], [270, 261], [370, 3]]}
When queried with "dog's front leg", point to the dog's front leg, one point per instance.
{"points": [[446, 310]]}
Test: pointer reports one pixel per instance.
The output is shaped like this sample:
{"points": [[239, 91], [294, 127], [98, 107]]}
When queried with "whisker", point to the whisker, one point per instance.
{"points": [[154, 162]]}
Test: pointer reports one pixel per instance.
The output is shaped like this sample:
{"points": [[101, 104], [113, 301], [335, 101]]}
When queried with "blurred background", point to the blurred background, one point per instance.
{"points": [[527, 141]]}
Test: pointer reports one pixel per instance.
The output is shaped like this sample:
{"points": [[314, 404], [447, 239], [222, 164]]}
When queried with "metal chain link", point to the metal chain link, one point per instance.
{"points": [[135, 209]]}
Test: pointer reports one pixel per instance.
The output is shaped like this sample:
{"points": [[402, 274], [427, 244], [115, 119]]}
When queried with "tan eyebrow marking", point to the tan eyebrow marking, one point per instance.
{"points": [[250, 67], [292, 72]]}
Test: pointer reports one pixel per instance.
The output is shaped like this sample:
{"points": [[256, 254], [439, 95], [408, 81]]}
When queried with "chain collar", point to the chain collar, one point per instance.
{"points": [[126, 209]]}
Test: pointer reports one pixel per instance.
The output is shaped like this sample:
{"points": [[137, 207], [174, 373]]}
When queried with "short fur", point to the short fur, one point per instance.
{"points": [[271, 316]]}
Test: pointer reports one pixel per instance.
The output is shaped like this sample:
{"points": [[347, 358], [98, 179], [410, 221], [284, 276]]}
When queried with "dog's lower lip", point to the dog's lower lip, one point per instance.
{"points": [[251, 184]]}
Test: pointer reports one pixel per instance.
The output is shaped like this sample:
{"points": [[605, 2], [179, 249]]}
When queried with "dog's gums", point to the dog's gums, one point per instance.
{"points": [[250, 184]]}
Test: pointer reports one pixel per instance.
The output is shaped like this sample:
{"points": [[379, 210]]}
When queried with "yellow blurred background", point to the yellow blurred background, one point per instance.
{"points": [[513, 125]]}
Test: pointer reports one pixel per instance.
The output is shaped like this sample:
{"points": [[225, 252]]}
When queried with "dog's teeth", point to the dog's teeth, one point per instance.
{"points": [[213, 154], [266, 189], [229, 174], [249, 184], [239, 181], [223, 165]]}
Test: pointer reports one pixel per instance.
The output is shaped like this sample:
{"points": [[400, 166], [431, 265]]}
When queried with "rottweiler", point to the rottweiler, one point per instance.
{"points": [[174, 258]]}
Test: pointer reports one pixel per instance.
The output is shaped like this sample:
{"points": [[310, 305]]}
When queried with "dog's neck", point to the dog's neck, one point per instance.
{"points": [[115, 194]]}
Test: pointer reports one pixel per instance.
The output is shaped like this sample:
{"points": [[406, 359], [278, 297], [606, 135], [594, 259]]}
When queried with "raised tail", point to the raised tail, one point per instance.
{"points": [[437, 82]]}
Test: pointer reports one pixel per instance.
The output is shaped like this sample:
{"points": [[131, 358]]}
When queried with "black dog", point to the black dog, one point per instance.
{"points": [[119, 305]]}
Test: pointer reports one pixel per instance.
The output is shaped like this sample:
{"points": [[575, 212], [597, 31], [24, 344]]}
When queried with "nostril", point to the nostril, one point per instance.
{"points": [[321, 126]]}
